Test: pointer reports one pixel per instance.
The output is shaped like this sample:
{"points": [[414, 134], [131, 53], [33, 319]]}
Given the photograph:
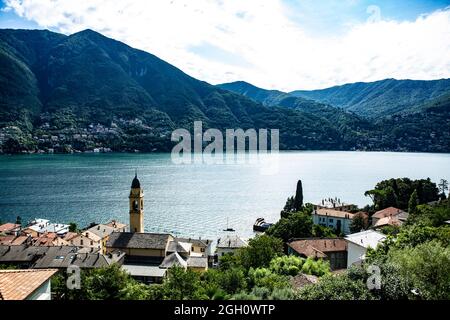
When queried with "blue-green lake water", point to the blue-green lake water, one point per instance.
{"points": [[194, 199]]}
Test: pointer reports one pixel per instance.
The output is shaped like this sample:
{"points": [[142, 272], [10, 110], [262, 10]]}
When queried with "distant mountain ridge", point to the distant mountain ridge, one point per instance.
{"points": [[87, 92], [380, 98]]}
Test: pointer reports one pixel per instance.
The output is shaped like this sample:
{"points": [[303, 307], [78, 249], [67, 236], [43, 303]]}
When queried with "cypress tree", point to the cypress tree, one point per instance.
{"points": [[298, 202], [413, 202]]}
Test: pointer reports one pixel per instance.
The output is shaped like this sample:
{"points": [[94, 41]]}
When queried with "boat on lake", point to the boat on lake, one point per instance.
{"points": [[261, 225]]}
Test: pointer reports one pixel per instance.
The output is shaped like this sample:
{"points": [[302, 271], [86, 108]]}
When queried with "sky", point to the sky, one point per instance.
{"points": [[274, 44]]}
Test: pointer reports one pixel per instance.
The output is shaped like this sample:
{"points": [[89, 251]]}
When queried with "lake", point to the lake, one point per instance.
{"points": [[196, 199]]}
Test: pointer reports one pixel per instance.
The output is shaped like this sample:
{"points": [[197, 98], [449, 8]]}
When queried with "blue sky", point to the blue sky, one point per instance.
{"points": [[280, 44]]}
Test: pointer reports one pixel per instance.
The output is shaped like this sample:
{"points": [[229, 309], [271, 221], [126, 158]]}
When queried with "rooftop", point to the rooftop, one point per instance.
{"points": [[231, 242], [126, 240], [7, 227], [318, 248], [20, 284], [197, 262], [391, 211], [366, 239], [101, 230], [144, 271], [390, 220], [333, 213], [173, 259]]}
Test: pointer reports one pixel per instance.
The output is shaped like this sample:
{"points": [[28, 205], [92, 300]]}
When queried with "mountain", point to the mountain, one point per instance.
{"points": [[87, 92], [425, 127], [56, 88], [380, 98]]}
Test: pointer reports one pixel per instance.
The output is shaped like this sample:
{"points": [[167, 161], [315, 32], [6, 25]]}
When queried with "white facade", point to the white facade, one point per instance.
{"points": [[358, 243]]}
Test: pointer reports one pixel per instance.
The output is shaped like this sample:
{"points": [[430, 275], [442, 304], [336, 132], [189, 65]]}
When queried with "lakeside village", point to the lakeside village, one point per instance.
{"points": [[31, 255]]}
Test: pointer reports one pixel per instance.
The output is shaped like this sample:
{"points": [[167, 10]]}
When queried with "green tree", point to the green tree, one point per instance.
{"points": [[260, 251], [336, 287], [413, 203], [182, 284], [427, 267], [72, 227], [359, 222], [297, 225], [298, 202]]}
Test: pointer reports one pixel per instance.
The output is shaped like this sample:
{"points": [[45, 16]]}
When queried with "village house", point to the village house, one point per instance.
{"points": [[88, 239], [399, 215], [229, 244], [336, 219], [28, 284], [332, 249], [105, 230], [40, 226], [10, 229], [358, 243]]}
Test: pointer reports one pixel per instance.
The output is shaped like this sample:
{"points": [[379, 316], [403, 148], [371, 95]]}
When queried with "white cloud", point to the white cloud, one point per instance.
{"points": [[275, 52]]}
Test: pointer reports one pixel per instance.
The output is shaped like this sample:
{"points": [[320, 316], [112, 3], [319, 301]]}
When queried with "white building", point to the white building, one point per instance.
{"points": [[335, 219], [229, 244], [358, 243], [43, 226]]}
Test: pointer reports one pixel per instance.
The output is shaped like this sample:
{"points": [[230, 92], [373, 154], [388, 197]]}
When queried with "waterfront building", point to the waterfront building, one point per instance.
{"points": [[229, 244], [336, 219]]}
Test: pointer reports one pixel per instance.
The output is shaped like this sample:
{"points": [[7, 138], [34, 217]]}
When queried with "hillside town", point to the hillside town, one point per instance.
{"points": [[35, 252]]}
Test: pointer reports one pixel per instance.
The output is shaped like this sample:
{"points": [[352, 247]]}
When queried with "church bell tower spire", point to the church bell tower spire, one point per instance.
{"points": [[136, 200]]}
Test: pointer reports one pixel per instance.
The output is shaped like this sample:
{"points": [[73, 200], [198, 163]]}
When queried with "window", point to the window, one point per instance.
{"points": [[331, 220], [202, 249], [92, 243], [81, 241]]}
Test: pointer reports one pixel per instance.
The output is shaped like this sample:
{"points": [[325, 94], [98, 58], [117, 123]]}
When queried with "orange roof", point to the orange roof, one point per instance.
{"points": [[334, 213], [70, 235], [391, 211], [390, 220], [19, 284], [8, 227], [317, 248]]}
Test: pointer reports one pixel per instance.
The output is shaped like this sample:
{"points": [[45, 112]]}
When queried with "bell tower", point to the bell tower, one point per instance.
{"points": [[136, 206]]}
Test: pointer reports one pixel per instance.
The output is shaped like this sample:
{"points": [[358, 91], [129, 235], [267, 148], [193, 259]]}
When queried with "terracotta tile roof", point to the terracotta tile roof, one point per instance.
{"points": [[70, 235], [390, 220], [8, 227], [19, 284], [317, 248], [391, 211], [333, 213]]}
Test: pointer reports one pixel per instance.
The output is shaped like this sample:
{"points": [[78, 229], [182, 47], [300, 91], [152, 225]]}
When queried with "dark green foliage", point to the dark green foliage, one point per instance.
{"points": [[298, 200], [339, 287], [73, 227], [413, 203], [359, 222], [260, 251], [297, 225], [397, 192]]}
